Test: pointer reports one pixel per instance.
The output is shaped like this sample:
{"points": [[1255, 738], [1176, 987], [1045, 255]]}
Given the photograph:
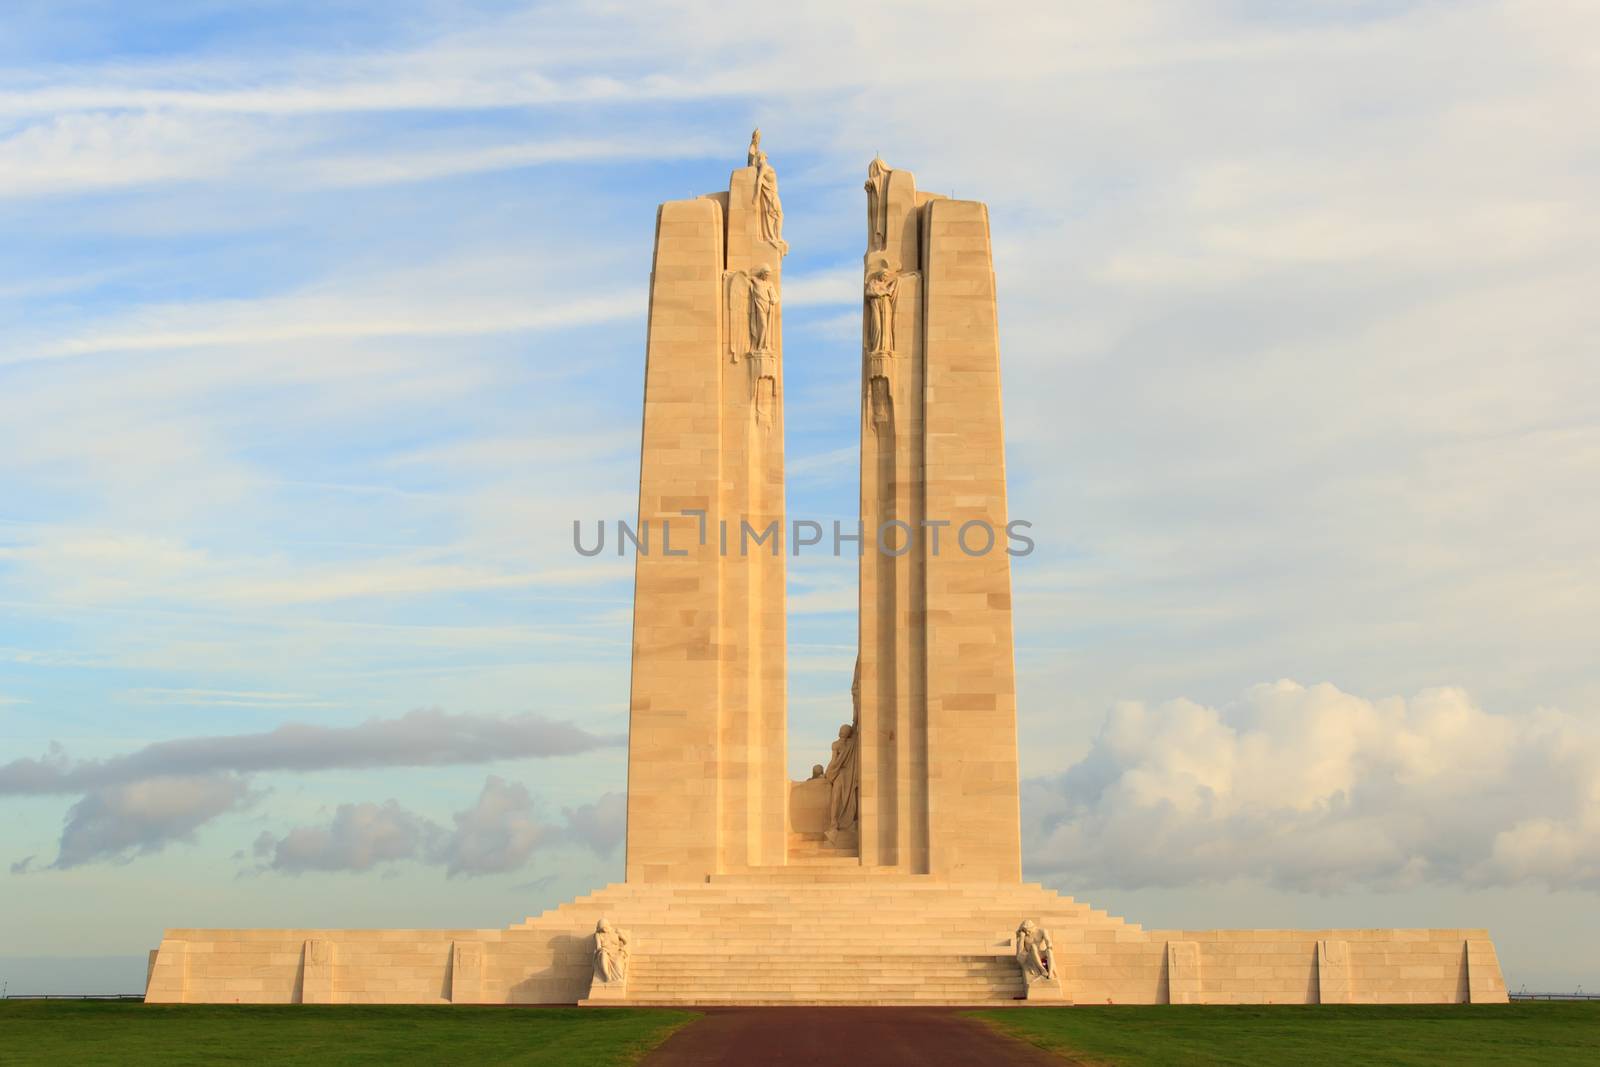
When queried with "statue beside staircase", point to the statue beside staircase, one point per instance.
{"points": [[611, 952], [1037, 958]]}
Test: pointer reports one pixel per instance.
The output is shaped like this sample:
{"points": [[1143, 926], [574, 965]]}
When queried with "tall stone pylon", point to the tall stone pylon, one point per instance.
{"points": [[707, 789], [938, 717]]}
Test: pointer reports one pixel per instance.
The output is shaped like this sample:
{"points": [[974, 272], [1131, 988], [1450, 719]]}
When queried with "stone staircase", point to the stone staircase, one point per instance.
{"points": [[824, 930], [812, 849], [842, 978]]}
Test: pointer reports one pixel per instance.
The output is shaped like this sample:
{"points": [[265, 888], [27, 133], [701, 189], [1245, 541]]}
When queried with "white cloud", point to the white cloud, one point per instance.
{"points": [[498, 834], [75, 153], [599, 825], [401, 166], [1313, 788], [359, 837], [420, 738], [115, 823]]}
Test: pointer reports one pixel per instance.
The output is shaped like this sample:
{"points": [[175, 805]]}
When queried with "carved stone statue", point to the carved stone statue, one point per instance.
{"points": [[844, 783], [877, 204], [881, 297], [1035, 954], [754, 149], [766, 198], [610, 953], [763, 309], [880, 293], [751, 328], [816, 771]]}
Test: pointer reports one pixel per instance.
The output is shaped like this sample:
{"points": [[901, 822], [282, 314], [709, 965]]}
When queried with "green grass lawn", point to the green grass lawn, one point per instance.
{"points": [[1522, 1034], [88, 1032]]}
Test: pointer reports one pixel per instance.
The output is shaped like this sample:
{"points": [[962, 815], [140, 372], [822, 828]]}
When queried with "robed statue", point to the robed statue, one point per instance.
{"points": [[843, 775], [610, 953], [763, 310], [877, 203], [881, 289], [769, 209]]}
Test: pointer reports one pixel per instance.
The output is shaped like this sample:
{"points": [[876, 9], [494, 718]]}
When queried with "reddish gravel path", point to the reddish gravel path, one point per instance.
{"points": [[841, 1037]]}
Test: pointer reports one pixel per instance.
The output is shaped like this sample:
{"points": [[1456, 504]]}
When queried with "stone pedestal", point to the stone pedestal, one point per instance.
{"points": [[1047, 991], [605, 993]]}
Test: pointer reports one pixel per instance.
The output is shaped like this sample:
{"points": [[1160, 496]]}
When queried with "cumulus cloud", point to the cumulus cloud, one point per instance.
{"points": [[359, 837], [600, 825], [1314, 788], [498, 834], [421, 738], [120, 822]]}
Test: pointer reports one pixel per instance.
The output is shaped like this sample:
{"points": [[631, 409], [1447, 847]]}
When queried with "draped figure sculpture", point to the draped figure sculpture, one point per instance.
{"points": [[751, 306], [610, 953], [844, 777], [877, 187], [1035, 954], [763, 331], [763, 310], [881, 295], [766, 197]]}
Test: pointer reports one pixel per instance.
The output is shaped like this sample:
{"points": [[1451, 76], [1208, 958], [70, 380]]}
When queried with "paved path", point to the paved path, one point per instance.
{"points": [[840, 1037]]}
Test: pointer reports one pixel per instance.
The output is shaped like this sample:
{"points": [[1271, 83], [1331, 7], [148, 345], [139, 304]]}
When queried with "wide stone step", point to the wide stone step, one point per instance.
{"points": [[694, 1000], [677, 965]]}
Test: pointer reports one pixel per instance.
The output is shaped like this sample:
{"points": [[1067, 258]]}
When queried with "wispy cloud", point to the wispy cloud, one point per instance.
{"points": [[453, 162], [277, 322], [226, 698], [423, 738]]}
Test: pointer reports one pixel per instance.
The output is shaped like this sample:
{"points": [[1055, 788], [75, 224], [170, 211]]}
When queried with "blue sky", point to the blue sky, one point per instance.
{"points": [[319, 324]]}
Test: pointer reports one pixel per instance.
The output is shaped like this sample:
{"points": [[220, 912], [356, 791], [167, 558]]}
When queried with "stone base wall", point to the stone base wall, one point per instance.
{"points": [[370, 967], [826, 935], [1384, 966]]}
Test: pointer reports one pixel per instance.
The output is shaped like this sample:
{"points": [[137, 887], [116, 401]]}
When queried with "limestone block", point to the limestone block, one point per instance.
{"points": [[317, 972], [1183, 973], [169, 973], [1333, 971], [466, 972], [1485, 983]]}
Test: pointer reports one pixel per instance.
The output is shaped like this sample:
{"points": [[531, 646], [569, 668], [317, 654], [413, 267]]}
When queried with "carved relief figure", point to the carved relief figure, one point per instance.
{"points": [[763, 310], [763, 332], [766, 197], [882, 290], [877, 204], [610, 953], [1035, 953], [751, 327]]}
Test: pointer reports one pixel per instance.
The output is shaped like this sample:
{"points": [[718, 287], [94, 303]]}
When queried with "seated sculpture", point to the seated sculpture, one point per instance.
{"points": [[610, 953], [1035, 954]]}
